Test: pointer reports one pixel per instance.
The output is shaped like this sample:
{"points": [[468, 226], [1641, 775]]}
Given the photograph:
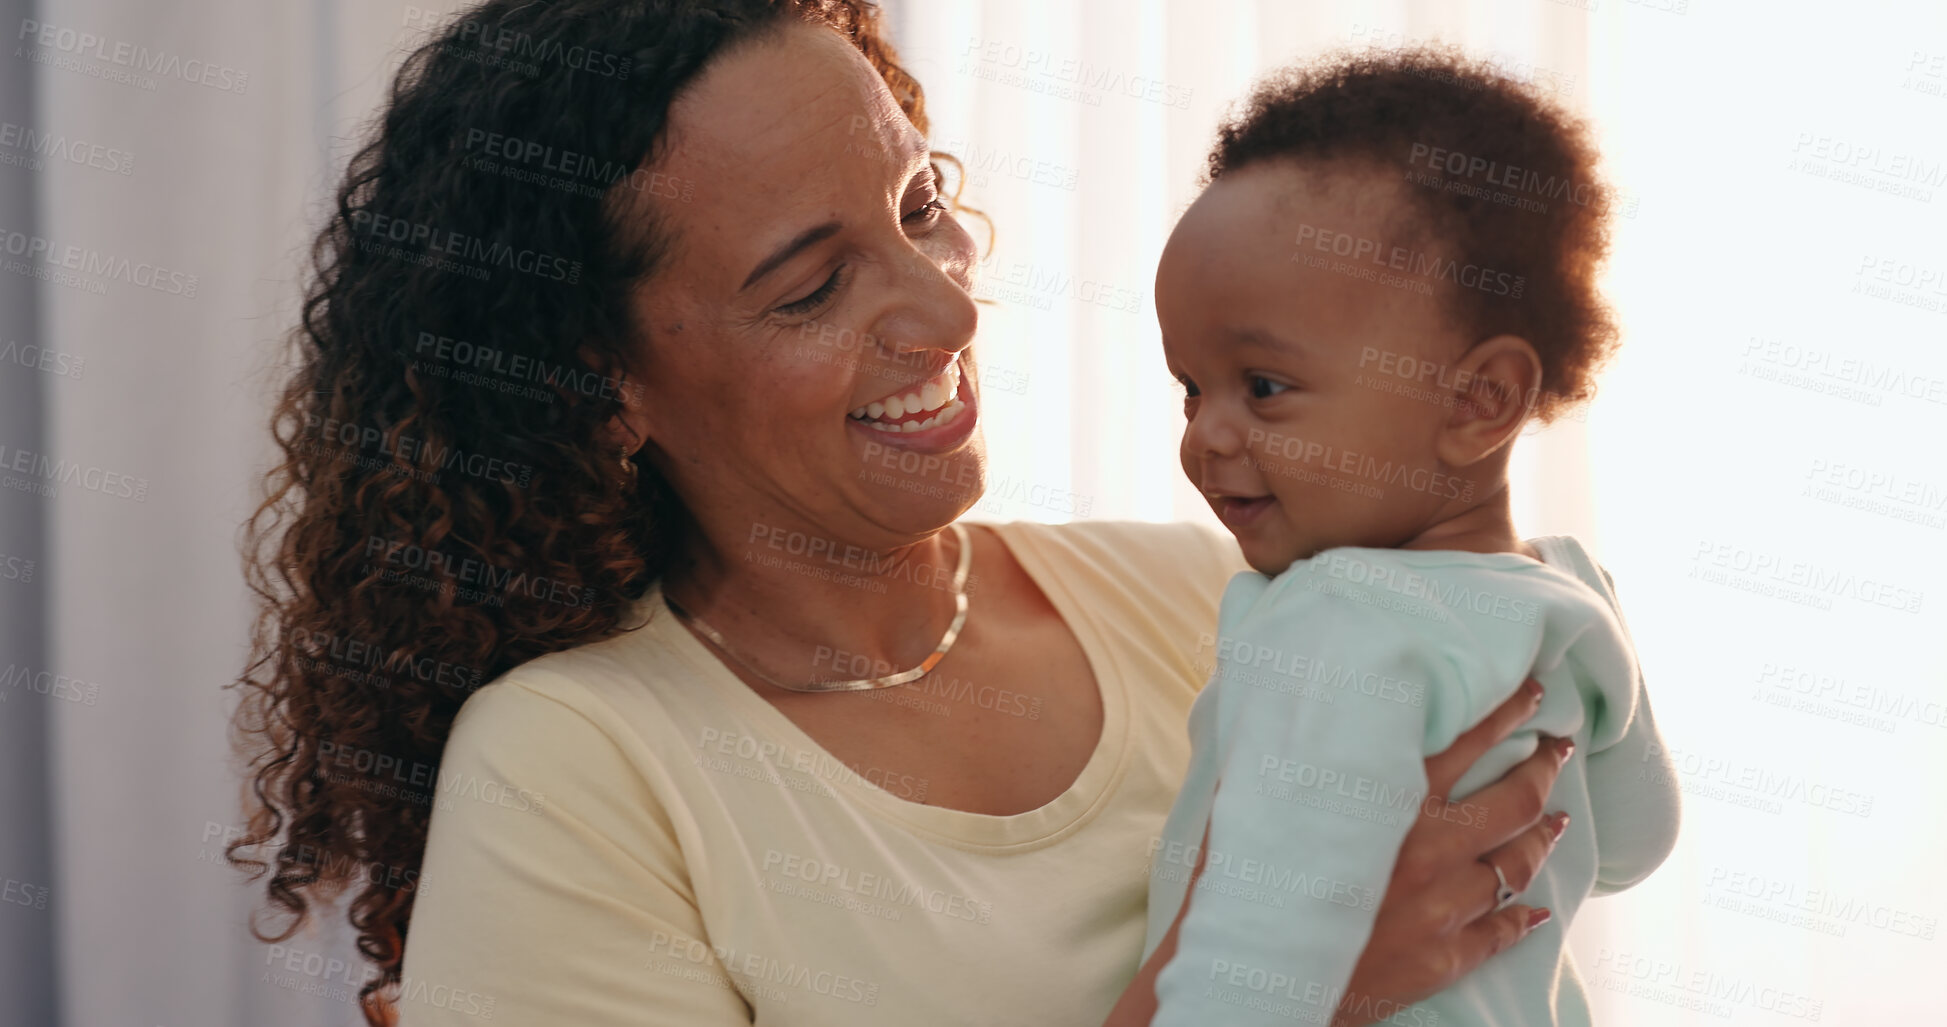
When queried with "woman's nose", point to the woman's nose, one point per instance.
{"points": [[935, 311]]}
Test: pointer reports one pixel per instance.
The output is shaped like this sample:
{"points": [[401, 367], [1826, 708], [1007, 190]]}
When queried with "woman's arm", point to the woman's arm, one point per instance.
{"points": [[1436, 921]]}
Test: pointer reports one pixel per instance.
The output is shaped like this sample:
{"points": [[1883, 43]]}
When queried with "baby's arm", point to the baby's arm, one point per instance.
{"points": [[1634, 798], [1313, 802], [1633, 795]]}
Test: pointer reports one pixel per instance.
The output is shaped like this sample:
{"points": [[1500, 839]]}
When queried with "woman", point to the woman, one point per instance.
{"points": [[636, 382]]}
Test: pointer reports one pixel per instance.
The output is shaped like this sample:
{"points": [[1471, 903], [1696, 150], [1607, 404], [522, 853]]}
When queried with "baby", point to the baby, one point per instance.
{"points": [[1390, 274]]}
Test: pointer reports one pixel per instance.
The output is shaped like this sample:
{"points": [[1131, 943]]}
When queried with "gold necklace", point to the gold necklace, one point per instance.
{"points": [[862, 684]]}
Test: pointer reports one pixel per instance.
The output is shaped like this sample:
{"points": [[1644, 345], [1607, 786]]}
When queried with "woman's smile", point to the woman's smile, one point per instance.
{"points": [[934, 415]]}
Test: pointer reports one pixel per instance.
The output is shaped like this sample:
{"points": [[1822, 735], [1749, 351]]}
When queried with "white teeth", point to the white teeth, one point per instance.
{"points": [[946, 414], [942, 394]]}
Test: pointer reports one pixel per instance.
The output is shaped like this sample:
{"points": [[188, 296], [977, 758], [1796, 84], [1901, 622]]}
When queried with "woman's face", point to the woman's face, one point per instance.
{"points": [[814, 290]]}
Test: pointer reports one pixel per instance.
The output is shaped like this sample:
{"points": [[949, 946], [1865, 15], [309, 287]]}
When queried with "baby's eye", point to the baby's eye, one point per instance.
{"points": [[1265, 388], [1189, 394]]}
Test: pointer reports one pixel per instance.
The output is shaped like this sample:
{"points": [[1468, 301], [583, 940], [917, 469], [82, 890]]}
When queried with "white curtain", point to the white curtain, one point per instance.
{"points": [[190, 191], [1762, 472], [1770, 490]]}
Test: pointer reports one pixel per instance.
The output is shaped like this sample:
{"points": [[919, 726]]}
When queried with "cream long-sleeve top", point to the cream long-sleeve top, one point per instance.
{"points": [[626, 834]]}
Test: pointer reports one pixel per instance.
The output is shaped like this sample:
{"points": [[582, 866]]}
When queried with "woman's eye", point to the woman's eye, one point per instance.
{"points": [[927, 212], [816, 298], [1265, 388]]}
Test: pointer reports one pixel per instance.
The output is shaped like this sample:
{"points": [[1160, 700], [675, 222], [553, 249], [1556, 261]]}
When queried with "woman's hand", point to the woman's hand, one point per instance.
{"points": [[1437, 920]]}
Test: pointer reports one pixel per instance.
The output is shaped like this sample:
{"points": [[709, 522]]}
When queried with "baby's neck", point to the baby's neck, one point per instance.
{"points": [[1483, 527]]}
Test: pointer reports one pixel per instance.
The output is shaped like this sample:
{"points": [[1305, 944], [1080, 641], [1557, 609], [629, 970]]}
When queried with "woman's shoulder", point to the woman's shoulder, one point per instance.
{"points": [[580, 696], [532, 708], [1178, 568], [551, 734], [1147, 545]]}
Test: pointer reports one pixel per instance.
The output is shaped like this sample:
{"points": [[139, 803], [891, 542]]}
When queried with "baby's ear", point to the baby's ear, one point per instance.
{"points": [[1495, 386]]}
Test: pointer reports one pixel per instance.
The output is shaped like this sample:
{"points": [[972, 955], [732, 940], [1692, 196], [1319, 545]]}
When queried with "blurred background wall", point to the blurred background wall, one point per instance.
{"points": [[1762, 472]]}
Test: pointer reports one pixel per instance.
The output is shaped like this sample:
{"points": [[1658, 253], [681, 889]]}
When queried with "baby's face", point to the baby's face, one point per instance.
{"points": [[1311, 405]]}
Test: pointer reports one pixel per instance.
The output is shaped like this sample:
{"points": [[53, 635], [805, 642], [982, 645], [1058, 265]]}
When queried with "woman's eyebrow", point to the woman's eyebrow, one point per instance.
{"points": [[789, 250]]}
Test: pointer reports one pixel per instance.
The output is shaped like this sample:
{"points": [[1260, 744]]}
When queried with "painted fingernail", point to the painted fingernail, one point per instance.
{"points": [[1538, 917], [1558, 824]]}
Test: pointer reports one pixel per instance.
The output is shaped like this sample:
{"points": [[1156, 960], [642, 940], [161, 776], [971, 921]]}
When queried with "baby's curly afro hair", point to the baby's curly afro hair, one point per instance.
{"points": [[1492, 170]]}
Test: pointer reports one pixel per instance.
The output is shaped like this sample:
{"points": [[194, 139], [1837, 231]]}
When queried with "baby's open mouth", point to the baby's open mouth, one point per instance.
{"points": [[924, 405], [1239, 511]]}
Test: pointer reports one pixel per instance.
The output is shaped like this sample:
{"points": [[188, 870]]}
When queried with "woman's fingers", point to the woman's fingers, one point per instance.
{"points": [[1445, 767], [1502, 810], [1519, 861], [1449, 834], [1494, 933], [1464, 893]]}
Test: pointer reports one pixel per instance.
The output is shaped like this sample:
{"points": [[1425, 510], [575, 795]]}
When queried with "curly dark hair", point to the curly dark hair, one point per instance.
{"points": [[1488, 167], [445, 507]]}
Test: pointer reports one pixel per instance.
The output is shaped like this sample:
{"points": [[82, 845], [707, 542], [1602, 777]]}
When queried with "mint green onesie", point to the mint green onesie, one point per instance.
{"points": [[1334, 681]]}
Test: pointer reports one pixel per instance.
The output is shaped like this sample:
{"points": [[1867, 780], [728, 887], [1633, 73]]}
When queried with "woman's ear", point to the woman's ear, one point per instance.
{"points": [[1496, 383], [630, 427]]}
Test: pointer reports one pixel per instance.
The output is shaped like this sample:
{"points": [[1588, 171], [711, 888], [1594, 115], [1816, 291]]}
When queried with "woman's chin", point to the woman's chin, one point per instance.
{"points": [[921, 489]]}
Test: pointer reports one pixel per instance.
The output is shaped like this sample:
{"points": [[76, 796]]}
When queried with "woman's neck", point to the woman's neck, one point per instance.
{"points": [[808, 607]]}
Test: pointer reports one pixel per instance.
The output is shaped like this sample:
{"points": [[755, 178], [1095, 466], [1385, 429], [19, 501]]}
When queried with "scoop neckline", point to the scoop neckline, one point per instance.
{"points": [[1045, 824]]}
